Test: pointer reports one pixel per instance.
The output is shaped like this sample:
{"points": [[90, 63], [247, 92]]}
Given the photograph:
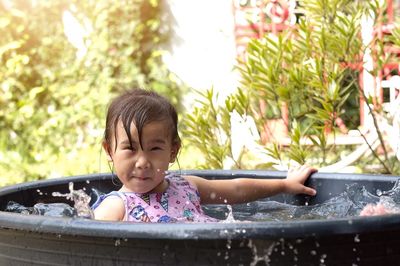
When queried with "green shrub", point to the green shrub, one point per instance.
{"points": [[52, 101], [306, 71]]}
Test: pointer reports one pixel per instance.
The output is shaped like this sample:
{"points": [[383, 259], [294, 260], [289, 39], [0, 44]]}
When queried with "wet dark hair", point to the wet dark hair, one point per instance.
{"points": [[140, 107]]}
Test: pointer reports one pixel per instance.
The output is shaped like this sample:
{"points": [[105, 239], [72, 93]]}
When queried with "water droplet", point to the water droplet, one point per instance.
{"points": [[213, 195], [357, 238], [379, 192], [117, 242], [87, 182], [313, 252], [226, 256], [323, 257], [228, 244]]}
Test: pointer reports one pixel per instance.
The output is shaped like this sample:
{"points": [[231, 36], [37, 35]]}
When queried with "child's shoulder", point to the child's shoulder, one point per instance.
{"points": [[112, 197], [184, 182], [109, 207], [177, 179]]}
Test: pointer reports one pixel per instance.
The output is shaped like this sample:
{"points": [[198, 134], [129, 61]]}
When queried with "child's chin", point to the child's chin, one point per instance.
{"points": [[139, 189]]}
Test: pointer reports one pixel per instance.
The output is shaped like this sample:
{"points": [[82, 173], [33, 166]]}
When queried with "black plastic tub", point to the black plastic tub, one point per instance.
{"points": [[41, 240]]}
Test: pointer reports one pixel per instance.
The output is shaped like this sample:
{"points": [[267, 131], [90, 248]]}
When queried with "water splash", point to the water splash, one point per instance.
{"points": [[81, 201], [388, 202], [229, 215], [261, 251], [345, 205]]}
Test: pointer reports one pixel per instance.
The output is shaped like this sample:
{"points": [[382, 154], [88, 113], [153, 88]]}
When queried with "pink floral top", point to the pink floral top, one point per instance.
{"points": [[179, 203]]}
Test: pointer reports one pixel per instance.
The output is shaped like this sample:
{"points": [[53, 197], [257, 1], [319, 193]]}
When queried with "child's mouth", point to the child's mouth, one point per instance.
{"points": [[142, 178]]}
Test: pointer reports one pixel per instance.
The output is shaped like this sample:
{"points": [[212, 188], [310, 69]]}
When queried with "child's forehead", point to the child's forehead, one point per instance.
{"points": [[154, 127]]}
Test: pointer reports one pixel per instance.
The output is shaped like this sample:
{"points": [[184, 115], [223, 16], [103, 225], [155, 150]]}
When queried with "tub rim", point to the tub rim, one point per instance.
{"points": [[198, 231]]}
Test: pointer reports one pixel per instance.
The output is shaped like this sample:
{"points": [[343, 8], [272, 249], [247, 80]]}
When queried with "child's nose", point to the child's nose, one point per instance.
{"points": [[142, 161]]}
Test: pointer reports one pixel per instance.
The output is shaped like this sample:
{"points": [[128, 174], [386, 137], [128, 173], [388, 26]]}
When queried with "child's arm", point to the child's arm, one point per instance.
{"points": [[241, 190], [110, 209]]}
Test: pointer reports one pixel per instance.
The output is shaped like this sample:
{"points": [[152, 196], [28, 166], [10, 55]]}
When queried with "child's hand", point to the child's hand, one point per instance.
{"points": [[294, 183]]}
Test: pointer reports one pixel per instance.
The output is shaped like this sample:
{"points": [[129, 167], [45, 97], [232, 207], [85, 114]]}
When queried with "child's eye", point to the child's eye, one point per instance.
{"points": [[129, 148], [155, 148]]}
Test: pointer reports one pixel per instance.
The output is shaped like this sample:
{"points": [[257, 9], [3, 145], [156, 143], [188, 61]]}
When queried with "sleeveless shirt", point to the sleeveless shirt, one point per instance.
{"points": [[180, 202]]}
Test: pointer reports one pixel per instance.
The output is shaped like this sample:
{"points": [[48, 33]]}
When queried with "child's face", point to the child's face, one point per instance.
{"points": [[140, 170]]}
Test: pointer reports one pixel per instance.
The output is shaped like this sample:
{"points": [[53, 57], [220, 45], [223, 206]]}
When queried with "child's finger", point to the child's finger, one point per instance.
{"points": [[309, 170], [309, 191]]}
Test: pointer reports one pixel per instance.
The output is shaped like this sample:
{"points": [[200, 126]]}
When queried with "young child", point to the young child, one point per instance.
{"points": [[141, 140]]}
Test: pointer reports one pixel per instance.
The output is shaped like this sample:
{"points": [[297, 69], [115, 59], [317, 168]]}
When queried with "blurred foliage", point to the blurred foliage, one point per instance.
{"points": [[208, 127], [304, 69], [53, 96], [310, 70]]}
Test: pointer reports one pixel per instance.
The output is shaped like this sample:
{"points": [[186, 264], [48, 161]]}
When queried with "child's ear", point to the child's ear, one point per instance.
{"points": [[174, 152], [106, 148]]}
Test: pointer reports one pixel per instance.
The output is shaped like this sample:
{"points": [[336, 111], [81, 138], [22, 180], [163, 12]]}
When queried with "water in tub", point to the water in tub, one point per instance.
{"points": [[349, 203], [79, 198]]}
